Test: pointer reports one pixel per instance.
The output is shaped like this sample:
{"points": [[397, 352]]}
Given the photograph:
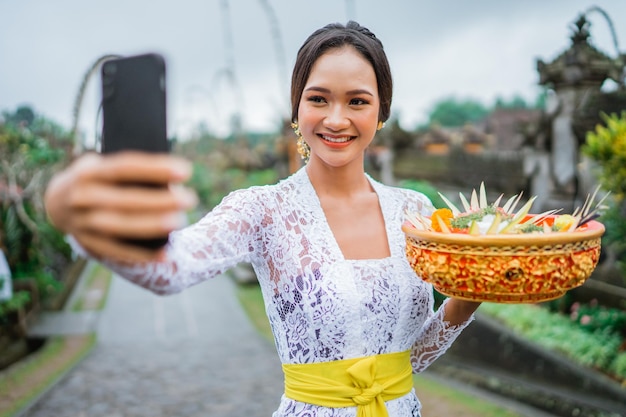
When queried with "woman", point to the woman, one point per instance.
{"points": [[351, 320]]}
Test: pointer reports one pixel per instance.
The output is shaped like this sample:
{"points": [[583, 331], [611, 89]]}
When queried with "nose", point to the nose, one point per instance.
{"points": [[336, 119]]}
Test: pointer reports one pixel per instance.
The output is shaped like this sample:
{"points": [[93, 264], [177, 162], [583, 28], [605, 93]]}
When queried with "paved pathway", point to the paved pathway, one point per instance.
{"points": [[182, 355]]}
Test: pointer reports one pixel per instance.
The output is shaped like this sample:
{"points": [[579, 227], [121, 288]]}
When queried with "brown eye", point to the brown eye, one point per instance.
{"points": [[358, 102], [316, 99]]}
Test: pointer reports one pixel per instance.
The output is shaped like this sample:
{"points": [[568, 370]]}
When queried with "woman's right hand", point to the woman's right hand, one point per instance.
{"points": [[97, 200]]}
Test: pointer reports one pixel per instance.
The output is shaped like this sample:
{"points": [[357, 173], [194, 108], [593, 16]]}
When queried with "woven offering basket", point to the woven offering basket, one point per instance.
{"points": [[504, 268]]}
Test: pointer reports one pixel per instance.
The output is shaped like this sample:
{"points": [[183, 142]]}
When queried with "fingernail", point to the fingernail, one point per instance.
{"points": [[186, 198], [181, 169], [174, 221]]}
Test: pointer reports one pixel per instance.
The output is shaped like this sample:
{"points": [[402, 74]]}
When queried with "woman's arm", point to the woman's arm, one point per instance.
{"points": [[441, 330], [224, 237]]}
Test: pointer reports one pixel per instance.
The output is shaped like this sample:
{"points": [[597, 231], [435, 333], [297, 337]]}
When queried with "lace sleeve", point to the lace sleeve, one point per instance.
{"points": [[434, 339], [436, 335], [220, 240]]}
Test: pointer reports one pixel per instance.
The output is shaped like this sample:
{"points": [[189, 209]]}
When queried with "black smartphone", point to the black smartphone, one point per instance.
{"points": [[134, 104], [134, 111]]}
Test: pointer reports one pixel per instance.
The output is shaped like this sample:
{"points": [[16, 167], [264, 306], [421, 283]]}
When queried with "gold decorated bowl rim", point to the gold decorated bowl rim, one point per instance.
{"points": [[590, 230]]}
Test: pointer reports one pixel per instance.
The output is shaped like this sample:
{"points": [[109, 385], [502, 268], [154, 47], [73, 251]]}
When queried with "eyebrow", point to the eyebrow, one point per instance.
{"points": [[351, 92]]}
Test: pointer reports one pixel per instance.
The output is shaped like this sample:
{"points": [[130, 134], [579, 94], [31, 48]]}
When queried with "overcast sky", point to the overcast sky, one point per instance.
{"points": [[478, 49]]}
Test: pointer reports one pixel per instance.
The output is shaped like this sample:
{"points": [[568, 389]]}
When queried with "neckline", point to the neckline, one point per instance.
{"points": [[331, 236]]}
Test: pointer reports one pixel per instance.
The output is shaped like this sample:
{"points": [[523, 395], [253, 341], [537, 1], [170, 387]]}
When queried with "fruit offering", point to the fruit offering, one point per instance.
{"points": [[495, 253], [481, 218]]}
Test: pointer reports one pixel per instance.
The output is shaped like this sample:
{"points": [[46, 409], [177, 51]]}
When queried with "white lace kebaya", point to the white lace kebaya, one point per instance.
{"points": [[321, 306]]}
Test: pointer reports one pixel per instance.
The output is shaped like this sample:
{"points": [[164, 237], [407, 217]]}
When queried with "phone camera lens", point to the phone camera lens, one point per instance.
{"points": [[109, 68]]}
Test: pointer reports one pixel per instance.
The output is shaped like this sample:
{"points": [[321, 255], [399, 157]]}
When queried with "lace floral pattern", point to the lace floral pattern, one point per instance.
{"points": [[321, 306]]}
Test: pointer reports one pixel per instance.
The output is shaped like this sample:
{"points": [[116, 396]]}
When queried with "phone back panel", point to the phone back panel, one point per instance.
{"points": [[134, 104], [134, 112]]}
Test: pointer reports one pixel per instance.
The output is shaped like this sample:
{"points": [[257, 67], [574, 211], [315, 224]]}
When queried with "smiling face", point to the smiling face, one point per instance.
{"points": [[339, 107]]}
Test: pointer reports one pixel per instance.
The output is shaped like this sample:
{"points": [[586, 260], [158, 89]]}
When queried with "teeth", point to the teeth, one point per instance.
{"points": [[336, 140]]}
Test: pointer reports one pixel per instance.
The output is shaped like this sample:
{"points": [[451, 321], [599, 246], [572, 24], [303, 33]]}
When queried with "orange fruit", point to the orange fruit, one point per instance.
{"points": [[445, 214]]}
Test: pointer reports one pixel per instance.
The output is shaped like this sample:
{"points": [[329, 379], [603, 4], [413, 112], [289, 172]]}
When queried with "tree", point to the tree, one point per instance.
{"points": [[517, 102], [23, 116], [451, 112]]}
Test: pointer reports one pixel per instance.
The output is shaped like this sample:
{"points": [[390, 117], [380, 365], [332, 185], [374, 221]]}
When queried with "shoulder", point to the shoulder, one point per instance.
{"points": [[257, 195], [406, 198], [415, 201]]}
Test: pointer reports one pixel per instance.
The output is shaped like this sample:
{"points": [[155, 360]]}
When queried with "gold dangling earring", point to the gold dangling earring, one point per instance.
{"points": [[380, 125], [303, 148]]}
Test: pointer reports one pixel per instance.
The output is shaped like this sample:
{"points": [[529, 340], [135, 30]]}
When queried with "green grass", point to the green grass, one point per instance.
{"points": [[99, 278], [426, 386], [25, 381]]}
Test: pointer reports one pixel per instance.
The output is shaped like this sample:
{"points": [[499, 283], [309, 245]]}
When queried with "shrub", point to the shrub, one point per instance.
{"points": [[607, 146], [19, 300], [598, 349], [618, 366], [593, 317], [31, 148]]}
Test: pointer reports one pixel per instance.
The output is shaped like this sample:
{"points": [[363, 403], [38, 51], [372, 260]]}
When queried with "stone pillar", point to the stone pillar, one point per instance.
{"points": [[564, 142], [537, 168]]}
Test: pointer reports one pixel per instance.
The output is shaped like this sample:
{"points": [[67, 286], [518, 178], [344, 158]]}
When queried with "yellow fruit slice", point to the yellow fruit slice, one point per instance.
{"points": [[564, 222]]}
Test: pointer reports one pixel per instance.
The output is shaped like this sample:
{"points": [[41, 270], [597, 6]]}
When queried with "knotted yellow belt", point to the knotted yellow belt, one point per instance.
{"points": [[362, 382]]}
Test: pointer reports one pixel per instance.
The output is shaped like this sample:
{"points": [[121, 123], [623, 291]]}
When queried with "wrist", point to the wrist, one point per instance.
{"points": [[458, 311]]}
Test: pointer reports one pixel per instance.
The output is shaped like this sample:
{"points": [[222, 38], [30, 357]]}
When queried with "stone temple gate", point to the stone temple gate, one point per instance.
{"points": [[576, 77]]}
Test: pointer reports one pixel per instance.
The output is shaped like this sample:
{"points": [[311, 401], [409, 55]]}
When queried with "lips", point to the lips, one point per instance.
{"points": [[336, 141]]}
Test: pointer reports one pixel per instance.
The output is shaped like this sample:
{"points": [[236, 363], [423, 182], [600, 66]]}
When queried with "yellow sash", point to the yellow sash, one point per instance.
{"points": [[362, 382]]}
